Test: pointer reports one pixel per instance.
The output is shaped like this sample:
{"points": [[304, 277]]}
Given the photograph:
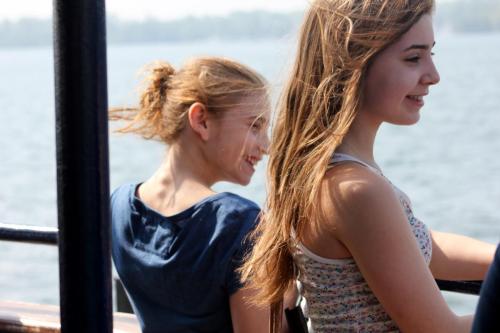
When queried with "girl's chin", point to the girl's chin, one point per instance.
{"points": [[243, 181], [410, 118]]}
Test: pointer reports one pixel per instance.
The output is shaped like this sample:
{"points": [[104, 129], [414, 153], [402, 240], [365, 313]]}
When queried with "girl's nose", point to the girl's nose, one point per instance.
{"points": [[432, 76], [264, 143]]}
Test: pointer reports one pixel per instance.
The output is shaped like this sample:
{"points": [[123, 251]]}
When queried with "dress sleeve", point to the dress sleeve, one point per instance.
{"points": [[241, 246]]}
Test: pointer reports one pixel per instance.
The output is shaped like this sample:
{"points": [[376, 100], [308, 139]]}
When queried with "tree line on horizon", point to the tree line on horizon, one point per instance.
{"points": [[459, 16]]}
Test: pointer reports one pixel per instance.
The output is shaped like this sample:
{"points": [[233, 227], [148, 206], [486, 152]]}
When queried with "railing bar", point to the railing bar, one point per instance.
{"points": [[30, 234], [464, 287], [49, 236], [21, 227]]}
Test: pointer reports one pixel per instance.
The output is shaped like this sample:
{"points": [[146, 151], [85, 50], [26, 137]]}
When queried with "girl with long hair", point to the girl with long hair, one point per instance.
{"points": [[176, 244], [333, 221]]}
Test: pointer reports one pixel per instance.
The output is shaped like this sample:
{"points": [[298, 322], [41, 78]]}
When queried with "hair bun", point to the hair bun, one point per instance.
{"points": [[160, 74], [156, 81]]}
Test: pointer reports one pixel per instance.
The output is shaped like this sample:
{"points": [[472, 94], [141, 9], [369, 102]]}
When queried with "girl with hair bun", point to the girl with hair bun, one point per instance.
{"points": [[176, 244], [333, 221]]}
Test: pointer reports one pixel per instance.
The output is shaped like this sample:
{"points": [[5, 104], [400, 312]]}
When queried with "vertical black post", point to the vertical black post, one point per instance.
{"points": [[82, 166]]}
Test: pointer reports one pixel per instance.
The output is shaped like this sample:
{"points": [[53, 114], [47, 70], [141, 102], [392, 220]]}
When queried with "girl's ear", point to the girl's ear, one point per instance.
{"points": [[197, 116]]}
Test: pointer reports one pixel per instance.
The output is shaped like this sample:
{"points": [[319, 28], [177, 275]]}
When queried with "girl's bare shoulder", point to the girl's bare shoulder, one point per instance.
{"points": [[351, 183], [353, 197]]}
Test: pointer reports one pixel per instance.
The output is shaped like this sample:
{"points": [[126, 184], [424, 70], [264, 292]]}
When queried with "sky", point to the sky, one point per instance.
{"points": [[161, 9]]}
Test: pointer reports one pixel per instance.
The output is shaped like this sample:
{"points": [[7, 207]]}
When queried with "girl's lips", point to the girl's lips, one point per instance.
{"points": [[251, 166], [416, 100], [252, 160]]}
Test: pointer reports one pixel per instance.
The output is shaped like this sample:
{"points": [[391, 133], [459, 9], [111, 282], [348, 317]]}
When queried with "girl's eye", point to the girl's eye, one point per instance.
{"points": [[414, 59], [256, 126]]}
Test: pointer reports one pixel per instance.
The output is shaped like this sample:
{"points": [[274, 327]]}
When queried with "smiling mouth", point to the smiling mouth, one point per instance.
{"points": [[252, 160], [417, 98]]}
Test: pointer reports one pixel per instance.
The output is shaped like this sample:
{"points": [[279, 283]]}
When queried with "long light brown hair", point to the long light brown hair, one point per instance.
{"points": [[337, 42], [217, 83]]}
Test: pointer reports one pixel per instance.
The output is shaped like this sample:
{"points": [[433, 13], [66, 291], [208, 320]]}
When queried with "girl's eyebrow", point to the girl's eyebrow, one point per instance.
{"points": [[260, 119], [419, 47]]}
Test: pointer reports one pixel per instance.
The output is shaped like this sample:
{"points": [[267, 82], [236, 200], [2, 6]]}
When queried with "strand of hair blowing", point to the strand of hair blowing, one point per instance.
{"points": [[337, 41], [147, 119]]}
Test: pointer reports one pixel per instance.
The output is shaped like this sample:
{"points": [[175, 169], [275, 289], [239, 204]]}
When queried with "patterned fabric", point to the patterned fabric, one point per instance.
{"points": [[337, 297]]}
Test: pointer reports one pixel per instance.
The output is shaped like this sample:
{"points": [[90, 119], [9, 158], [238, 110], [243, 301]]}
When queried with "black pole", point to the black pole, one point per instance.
{"points": [[82, 166]]}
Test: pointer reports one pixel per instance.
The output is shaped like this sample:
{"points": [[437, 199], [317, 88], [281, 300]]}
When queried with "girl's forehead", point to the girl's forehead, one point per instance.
{"points": [[249, 108], [253, 112], [421, 33], [254, 105]]}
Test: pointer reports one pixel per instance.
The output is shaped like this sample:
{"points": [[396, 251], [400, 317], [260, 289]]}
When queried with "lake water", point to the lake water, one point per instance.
{"points": [[449, 163]]}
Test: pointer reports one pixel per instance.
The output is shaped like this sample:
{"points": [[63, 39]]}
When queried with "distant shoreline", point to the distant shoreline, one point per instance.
{"points": [[461, 16], [48, 45]]}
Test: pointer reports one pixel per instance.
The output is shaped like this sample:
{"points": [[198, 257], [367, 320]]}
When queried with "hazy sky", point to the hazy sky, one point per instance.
{"points": [[163, 9]]}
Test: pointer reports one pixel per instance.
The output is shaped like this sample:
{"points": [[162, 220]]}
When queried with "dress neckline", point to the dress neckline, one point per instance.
{"points": [[342, 157]]}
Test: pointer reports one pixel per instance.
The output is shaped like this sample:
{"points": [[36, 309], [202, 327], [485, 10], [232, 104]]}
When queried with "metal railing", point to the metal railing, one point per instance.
{"points": [[49, 236], [29, 234], [295, 318], [46, 235]]}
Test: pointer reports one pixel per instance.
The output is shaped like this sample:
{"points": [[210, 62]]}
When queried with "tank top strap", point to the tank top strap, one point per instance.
{"points": [[340, 157]]}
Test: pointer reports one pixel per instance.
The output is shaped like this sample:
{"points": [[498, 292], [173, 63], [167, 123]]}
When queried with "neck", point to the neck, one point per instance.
{"points": [[183, 166], [182, 180], [360, 139]]}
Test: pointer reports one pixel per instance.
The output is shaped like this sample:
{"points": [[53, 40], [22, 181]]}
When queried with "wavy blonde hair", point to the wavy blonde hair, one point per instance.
{"points": [[217, 83], [338, 40]]}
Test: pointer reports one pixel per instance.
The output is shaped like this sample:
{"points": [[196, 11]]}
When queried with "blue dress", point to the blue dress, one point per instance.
{"points": [[179, 270]]}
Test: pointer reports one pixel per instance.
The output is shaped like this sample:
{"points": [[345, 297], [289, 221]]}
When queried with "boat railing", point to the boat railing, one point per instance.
{"points": [[29, 234], [47, 235], [49, 322], [296, 321]]}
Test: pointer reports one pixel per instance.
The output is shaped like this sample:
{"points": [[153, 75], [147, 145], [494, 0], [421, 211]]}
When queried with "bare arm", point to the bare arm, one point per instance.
{"points": [[247, 318], [371, 223], [456, 257]]}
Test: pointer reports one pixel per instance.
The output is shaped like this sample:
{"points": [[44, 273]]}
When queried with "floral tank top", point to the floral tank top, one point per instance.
{"points": [[336, 298]]}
